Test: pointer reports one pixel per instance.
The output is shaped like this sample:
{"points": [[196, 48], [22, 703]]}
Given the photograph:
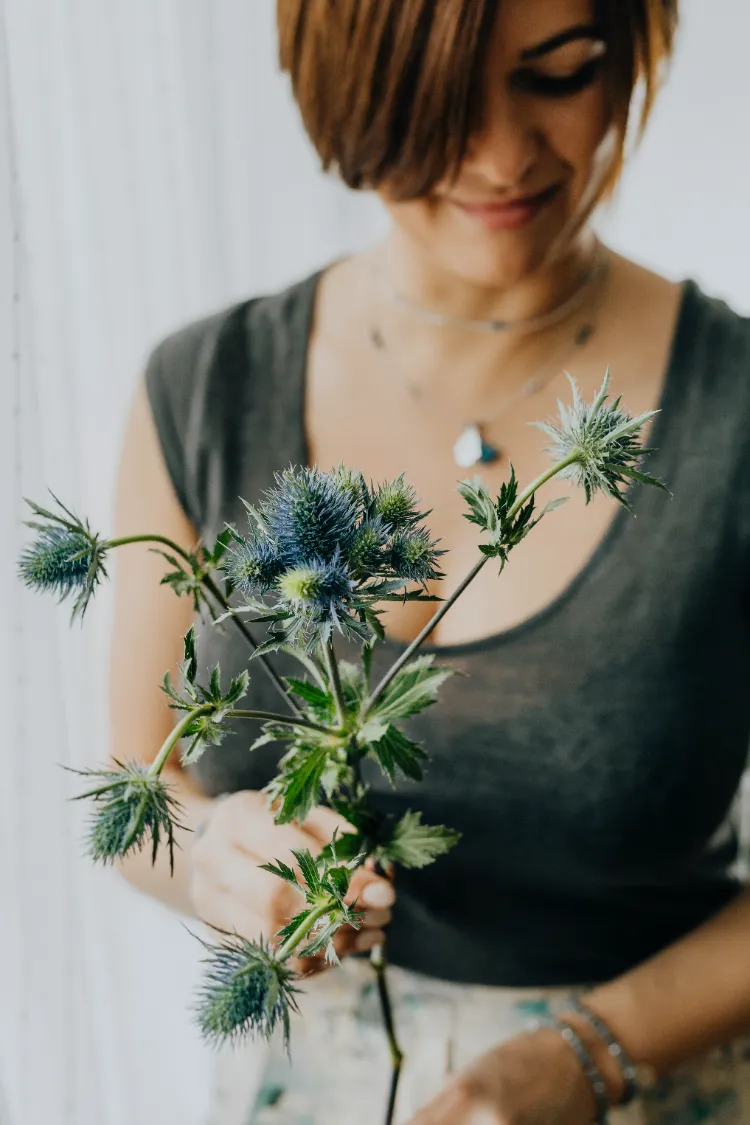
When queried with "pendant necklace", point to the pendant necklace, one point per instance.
{"points": [[472, 446]]}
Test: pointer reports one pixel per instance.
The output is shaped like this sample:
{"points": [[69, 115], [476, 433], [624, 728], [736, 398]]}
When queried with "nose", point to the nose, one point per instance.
{"points": [[505, 149]]}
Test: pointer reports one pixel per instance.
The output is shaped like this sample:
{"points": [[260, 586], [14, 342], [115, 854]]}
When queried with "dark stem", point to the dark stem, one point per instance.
{"points": [[271, 716], [378, 962], [214, 590], [332, 667]]}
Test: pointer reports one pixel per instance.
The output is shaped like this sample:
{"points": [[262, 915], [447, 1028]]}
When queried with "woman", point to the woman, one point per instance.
{"points": [[592, 755]]}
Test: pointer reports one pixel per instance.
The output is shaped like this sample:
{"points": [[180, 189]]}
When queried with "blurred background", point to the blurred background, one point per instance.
{"points": [[152, 169]]}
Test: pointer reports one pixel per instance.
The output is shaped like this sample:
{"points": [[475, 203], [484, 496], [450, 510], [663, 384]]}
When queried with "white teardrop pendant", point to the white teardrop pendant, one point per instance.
{"points": [[471, 448]]}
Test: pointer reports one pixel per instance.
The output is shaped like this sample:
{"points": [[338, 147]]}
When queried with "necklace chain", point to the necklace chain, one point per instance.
{"points": [[471, 447], [494, 324]]}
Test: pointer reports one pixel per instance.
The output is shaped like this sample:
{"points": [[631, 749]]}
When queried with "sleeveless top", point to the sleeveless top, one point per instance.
{"points": [[590, 755]]}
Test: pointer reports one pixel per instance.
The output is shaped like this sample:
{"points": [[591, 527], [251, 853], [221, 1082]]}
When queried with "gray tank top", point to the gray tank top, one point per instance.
{"points": [[592, 753]]}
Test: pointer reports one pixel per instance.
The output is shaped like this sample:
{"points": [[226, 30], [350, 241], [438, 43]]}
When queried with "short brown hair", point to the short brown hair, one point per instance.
{"points": [[388, 89]]}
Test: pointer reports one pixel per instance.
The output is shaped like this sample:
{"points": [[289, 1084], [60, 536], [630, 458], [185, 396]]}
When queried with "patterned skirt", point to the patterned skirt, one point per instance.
{"points": [[340, 1067]]}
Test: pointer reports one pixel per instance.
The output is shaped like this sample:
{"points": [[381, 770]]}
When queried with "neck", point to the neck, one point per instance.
{"points": [[412, 273]]}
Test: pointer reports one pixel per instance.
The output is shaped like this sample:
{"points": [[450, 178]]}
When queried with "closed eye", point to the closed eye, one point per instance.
{"points": [[530, 81]]}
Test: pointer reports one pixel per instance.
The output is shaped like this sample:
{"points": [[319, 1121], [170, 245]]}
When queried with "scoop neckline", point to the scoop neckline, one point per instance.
{"points": [[683, 323]]}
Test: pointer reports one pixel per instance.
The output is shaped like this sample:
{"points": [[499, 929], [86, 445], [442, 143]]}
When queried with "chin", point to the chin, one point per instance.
{"points": [[494, 263], [497, 259]]}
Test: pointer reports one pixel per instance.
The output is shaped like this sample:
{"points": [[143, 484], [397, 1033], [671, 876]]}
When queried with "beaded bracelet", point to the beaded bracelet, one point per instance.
{"points": [[636, 1076], [588, 1066]]}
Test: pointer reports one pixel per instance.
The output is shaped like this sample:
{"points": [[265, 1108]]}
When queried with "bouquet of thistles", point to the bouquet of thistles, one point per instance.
{"points": [[321, 552]]}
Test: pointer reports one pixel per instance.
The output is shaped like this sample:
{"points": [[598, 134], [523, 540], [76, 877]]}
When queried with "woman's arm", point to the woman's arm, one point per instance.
{"points": [[692, 996], [148, 629]]}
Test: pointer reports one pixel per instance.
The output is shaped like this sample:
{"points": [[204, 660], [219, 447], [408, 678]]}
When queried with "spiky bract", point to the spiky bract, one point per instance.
{"points": [[413, 554], [604, 442], [67, 558], [311, 514], [253, 565], [245, 991], [327, 547], [132, 805]]}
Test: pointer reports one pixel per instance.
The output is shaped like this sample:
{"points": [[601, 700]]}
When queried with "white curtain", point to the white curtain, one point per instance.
{"points": [[152, 169]]}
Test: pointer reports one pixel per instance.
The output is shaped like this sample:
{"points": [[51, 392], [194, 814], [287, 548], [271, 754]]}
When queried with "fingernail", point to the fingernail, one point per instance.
{"points": [[367, 939], [378, 894]]}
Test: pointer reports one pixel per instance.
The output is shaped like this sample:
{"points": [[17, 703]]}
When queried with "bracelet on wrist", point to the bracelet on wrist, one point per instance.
{"points": [[636, 1076], [585, 1059]]}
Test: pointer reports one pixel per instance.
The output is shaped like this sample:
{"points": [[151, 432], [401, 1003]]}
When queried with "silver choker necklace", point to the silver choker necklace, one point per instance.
{"points": [[495, 324]]}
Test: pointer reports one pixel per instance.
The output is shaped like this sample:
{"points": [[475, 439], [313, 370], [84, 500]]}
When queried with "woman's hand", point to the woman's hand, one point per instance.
{"points": [[532, 1079], [228, 889]]}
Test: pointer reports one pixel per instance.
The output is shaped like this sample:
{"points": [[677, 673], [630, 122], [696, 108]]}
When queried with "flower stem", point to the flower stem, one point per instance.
{"points": [[378, 962], [207, 581], [468, 579], [271, 716], [297, 936], [174, 737], [332, 668]]}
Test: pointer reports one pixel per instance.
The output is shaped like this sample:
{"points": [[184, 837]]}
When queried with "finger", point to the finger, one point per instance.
{"points": [[375, 919], [224, 915], [321, 822], [370, 889]]}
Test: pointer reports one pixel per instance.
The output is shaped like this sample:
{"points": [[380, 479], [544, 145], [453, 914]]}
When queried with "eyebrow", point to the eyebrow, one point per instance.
{"points": [[580, 31]]}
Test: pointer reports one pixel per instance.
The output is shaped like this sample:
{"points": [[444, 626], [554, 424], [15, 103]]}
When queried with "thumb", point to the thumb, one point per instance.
{"points": [[321, 822]]}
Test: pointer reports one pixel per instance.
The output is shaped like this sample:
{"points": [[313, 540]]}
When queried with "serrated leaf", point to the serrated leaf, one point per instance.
{"points": [[412, 689], [550, 507], [348, 846], [299, 782], [321, 939], [294, 922], [371, 731], [282, 870], [416, 845], [395, 751], [190, 665], [321, 700], [308, 867], [339, 878]]}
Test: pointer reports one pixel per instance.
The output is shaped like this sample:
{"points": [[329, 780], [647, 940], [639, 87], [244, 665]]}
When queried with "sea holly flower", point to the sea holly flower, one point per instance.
{"points": [[311, 514], [246, 990], [67, 558], [132, 804], [601, 443], [323, 550]]}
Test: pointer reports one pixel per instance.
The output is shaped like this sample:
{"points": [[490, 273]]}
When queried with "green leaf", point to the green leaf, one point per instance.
{"points": [[412, 689], [323, 939], [293, 923], [308, 867], [190, 666], [371, 731], [550, 507], [416, 845], [348, 846], [283, 871], [321, 700], [298, 783], [395, 751], [339, 878]]}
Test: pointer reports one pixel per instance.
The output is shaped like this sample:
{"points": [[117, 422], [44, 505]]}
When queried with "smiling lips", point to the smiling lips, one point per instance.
{"points": [[508, 215]]}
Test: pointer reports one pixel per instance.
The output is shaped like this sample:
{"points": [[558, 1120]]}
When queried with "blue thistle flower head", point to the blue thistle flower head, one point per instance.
{"points": [[318, 588], [396, 502], [413, 555], [603, 442], [245, 991], [366, 554], [253, 565], [65, 559], [132, 806], [311, 514]]}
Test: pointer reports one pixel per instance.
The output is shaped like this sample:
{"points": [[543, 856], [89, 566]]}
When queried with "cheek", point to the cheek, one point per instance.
{"points": [[577, 132]]}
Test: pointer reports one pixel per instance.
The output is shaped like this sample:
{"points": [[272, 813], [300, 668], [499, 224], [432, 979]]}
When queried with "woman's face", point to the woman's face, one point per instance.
{"points": [[532, 170]]}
